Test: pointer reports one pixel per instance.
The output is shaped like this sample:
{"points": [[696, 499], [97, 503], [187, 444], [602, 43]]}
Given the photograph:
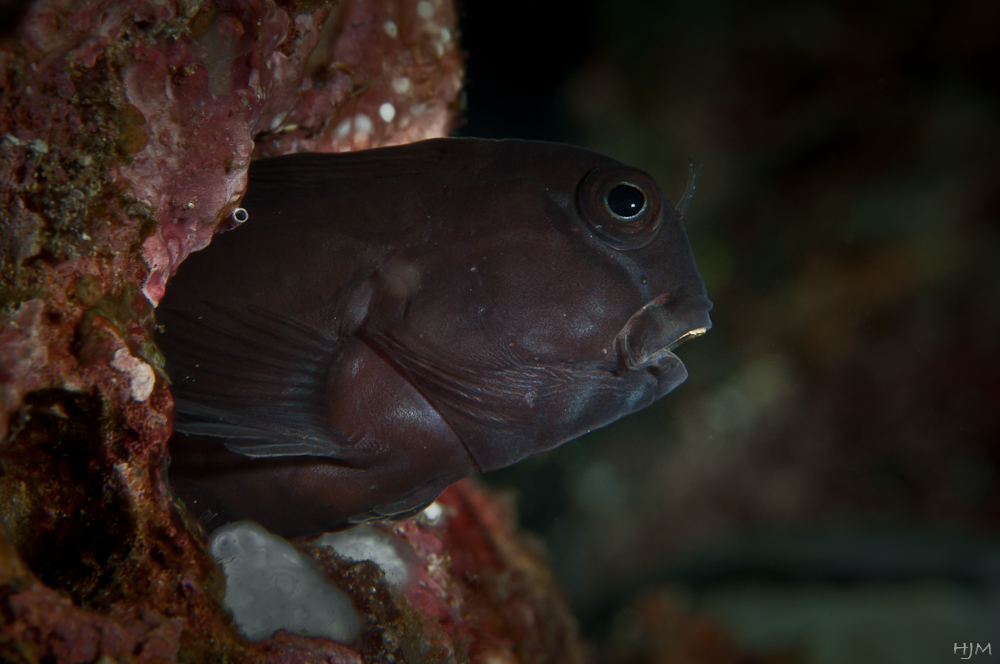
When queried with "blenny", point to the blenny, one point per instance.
{"points": [[389, 321]]}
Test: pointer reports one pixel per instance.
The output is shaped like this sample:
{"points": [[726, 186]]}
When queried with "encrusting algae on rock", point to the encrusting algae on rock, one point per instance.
{"points": [[125, 135]]}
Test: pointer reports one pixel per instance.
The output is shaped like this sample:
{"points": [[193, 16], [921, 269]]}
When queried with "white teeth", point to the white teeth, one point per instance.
{"points": [[697, 332]]}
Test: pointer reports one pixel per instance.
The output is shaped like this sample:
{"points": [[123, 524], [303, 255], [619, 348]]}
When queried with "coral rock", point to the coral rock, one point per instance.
{"points": [[478, 589], [125, 136]]}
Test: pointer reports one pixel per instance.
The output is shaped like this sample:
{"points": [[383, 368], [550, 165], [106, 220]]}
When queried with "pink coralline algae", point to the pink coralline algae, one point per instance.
{"points": [[359, 75], [47, 623], [126, 130], [479, 591]]}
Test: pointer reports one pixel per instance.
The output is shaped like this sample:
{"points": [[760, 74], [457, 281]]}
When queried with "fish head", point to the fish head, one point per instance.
{"points": [[635, 225], [551, 302]]}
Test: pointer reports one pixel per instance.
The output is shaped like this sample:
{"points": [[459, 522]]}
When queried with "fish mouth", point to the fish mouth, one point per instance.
{"points": [[649, 337]]}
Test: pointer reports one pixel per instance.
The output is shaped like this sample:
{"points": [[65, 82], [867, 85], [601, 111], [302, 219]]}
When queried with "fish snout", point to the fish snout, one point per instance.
{"points": [[652, 333]]}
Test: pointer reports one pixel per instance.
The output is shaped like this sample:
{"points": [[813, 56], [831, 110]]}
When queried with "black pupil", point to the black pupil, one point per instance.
{"points": [[626, 200]]}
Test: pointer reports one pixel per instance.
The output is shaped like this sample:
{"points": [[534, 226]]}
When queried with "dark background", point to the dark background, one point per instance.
{"points": [[826, 482]]}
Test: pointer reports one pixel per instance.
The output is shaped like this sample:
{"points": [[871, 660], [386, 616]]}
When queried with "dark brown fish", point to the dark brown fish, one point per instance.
{"points": [[390, 321]]}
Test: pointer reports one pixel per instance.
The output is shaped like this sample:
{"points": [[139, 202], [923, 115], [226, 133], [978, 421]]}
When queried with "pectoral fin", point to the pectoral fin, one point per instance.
{"points": [[254, 377]]}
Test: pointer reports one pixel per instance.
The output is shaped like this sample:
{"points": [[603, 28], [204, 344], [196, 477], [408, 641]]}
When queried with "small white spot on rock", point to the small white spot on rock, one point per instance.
{"points": [[401, 85], [387, 111], [278, 119], [362, 124], [445, 35], [141, 378], [439, 49], [418, 109], [432, 513], [344, 128], [425, 9], [390, 29]]}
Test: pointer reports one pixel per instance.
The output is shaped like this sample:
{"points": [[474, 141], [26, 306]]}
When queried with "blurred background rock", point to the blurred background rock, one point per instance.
{"points": [[826, 482]]}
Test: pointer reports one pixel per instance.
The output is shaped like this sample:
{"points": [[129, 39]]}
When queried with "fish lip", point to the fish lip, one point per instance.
{"points": [[654, 322]]}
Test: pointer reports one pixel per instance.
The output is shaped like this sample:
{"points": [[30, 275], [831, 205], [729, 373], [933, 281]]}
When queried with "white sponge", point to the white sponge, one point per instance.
{"points": [[271, 586], [366, 543]]}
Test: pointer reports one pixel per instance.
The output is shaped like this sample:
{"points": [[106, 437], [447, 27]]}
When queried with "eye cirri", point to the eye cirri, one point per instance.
{"points": [[621, 206]]}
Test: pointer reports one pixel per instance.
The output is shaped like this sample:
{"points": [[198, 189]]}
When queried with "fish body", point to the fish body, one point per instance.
{"points": [[390, 321]]}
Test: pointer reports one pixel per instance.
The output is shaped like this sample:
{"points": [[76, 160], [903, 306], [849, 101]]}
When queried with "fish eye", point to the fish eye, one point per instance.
{"points": [[621, 206], [625, 200]]}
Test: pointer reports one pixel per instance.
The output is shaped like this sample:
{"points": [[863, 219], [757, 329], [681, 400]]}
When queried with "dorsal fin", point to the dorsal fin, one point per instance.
{"points": [[308, 186]]}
